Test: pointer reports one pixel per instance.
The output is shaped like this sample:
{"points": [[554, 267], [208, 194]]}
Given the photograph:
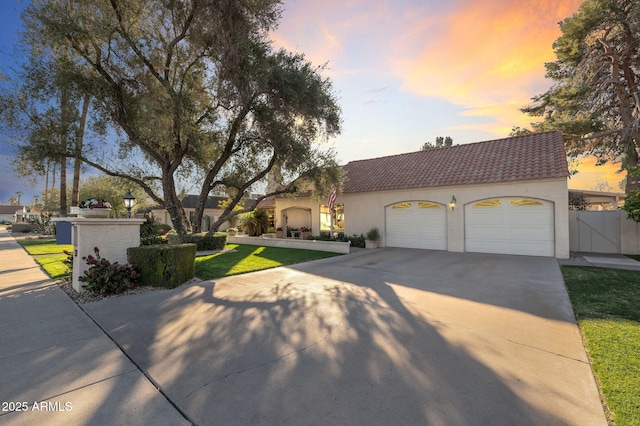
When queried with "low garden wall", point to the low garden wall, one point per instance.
{"points": [[329, 246]]}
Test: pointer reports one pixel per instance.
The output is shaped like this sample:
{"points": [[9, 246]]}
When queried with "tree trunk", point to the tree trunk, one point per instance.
{"points": [[75, 192], [174, 205], [64, 132]]}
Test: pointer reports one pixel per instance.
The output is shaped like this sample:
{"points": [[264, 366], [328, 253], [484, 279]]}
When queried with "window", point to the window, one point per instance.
{"points": [[428, 205], [402, 206], [338, 218], [526, 203], [488, 203]]}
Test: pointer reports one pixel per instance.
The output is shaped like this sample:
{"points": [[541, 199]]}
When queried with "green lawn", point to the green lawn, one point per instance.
{"points": [[252, 258], [54, 265], [607, 303], [50, 256], [39, 247]]}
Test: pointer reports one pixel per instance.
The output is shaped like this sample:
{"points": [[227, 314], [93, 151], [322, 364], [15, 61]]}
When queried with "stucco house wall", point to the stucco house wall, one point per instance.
{"points": [[297, 212], [367, 209]]}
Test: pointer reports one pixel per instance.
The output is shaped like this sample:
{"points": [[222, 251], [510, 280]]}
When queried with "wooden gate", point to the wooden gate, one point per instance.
{"points": [[595, 231]]}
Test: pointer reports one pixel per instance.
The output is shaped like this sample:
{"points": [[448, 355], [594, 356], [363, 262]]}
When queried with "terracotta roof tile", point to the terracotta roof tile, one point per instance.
{"points": [[528, 157]]}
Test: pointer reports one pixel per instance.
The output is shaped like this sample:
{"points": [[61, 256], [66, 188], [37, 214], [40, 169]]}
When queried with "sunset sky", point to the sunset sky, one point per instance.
{"points": [[407, 71]]}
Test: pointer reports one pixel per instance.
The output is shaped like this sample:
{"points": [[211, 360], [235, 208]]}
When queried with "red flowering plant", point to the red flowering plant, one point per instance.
{"points": [[104, 277], [305, 229], [95, 203]]}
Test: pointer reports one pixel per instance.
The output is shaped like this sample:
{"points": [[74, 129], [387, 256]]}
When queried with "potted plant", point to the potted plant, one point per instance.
{"points": [[94, 207], [305, 232], [279, 232], [373, 237], [232, 231]]}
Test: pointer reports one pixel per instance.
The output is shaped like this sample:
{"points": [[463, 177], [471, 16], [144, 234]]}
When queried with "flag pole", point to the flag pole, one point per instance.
{"points": [[330, 223], [331, 204]]}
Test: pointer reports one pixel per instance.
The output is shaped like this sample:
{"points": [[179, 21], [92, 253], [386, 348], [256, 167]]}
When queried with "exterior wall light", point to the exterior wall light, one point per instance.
{"points": [[453, 203], [128, 202]]}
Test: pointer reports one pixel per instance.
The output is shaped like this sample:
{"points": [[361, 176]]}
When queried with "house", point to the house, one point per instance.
{"points": [[212, 211], [602, 200], [501, 196], [8, 212]]}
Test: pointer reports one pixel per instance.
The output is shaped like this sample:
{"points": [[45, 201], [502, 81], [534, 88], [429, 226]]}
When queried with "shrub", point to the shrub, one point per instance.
{"points": [[255, 222], [356, 240], [632, 206], [373, 234], [149, 233], [104, 277], [204, 241], [577, 200], [164, 265], [68, 261]]}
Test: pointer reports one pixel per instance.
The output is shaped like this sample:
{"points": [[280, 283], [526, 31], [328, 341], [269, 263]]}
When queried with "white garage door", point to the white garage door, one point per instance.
{"points": [[416, 224], [510, 226]]}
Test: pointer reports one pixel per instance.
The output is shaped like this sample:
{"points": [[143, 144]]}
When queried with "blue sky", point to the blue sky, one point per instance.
{"points": [[407, 71]]}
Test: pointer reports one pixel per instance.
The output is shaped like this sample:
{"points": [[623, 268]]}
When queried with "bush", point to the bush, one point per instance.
{"points": [[204, 240], [577, 200], [632, 206], [164, 265], [104, 277], [149, 233], [373, 234], [356, 240], [255, 222]]}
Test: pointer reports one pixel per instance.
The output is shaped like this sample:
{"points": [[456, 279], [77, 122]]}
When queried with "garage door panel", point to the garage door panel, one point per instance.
{"points": [[416, 227], [529, 233], [510, 226]]}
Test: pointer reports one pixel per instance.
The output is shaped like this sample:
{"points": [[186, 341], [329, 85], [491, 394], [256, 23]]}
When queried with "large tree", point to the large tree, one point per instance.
{"points": [[595, 100], [197, 93], [45, 112]]}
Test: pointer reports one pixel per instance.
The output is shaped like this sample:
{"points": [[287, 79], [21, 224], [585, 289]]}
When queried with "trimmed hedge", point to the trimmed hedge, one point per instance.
{"points": [[204, 240], [164, 265], [22, 227]]}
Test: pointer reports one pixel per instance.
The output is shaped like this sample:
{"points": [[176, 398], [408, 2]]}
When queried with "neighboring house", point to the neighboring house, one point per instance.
{"points": [[510, 197], [7, 212], [211, 211], [601, 200]]}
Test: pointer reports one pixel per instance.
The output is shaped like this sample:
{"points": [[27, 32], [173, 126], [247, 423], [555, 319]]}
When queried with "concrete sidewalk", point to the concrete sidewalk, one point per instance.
{"points": [[57, 366], [602, 260]]}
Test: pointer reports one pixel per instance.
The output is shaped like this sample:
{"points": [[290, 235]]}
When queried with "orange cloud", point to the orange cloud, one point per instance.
{"points": [[485, 56], [590, 176]]}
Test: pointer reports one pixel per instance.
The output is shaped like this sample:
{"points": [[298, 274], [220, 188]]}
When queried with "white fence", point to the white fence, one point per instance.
{"points": [[603, 232]]}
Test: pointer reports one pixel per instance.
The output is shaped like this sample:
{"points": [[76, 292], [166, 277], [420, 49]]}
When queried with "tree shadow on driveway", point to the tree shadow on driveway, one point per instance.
{"points": [[330, 342]]}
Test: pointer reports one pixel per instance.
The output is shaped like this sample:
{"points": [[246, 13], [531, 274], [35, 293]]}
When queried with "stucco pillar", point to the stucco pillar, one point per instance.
{"points": [[112, 237]]}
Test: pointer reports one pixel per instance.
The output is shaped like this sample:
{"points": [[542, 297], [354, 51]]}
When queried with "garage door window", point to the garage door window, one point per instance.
{"points": [[526, 203], [402, 206], [427, 205], [488, 203]]}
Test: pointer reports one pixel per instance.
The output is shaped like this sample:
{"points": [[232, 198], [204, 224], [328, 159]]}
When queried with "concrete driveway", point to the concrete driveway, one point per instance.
{"points": [[389, 336]]}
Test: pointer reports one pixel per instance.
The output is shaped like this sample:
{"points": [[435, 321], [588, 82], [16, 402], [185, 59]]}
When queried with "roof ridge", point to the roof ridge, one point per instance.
{"points": [[459, 145]]}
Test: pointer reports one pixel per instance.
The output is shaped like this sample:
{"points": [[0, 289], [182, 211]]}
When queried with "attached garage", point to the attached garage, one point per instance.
{"points": [[511, 225], [416, 224]]}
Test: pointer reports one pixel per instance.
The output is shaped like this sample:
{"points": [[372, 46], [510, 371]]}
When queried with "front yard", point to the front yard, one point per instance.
{"points": [[607, 304], [247, 258], [49, 255], [236, 259]]}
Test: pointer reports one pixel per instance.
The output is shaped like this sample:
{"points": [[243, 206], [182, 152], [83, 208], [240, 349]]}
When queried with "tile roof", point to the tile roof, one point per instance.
{"points": [[527, 157], [9, 209]]}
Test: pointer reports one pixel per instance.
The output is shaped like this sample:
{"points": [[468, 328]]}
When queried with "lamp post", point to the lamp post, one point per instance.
{"points": [[128, 202]]}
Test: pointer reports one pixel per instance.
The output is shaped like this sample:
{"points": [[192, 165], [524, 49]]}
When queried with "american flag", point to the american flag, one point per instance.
{"points": [[332, 198]]}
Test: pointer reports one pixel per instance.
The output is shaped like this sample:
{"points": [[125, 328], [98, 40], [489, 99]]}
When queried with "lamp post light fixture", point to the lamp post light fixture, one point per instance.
{"points": [[453, 203], [128, 202]]}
